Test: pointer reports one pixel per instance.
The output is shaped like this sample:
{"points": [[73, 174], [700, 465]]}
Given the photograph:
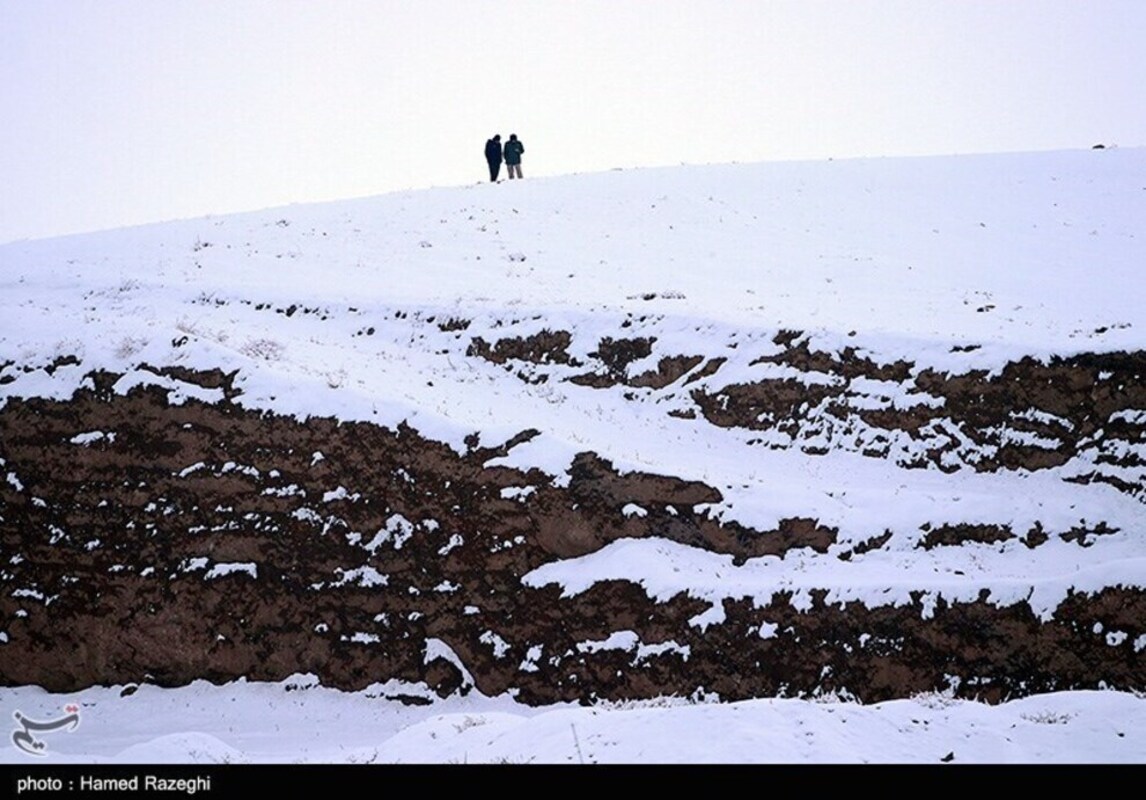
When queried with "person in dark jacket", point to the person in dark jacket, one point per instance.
{"points": [[493, 156], [513, 150]]}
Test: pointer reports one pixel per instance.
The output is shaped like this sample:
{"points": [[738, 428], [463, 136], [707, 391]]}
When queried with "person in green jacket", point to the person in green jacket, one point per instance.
{"points": [[512, 152]]}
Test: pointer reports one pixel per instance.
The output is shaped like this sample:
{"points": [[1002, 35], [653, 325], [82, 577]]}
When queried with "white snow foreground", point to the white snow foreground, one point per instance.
{"points": [[299, 722]]}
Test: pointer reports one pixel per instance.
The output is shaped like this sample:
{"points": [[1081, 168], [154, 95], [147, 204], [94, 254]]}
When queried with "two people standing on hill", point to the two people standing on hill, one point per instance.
{"points": [[510, 153]]}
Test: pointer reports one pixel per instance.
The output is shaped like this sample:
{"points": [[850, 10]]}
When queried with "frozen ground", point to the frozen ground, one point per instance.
{"points": [[274, 723], [952, 264]]}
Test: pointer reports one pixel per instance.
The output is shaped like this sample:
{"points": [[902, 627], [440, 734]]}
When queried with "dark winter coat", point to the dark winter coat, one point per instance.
{"points": [[492, 152], [513, 150]]}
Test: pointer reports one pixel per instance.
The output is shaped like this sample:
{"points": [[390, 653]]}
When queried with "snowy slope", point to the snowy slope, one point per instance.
{"points": [[474, 314]]}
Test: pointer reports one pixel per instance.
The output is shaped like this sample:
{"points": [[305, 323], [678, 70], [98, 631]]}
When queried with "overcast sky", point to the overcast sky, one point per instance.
{"points": [[118, 112]]}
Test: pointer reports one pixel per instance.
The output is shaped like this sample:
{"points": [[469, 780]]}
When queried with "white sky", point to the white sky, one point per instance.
{"points": [[117, 112]]}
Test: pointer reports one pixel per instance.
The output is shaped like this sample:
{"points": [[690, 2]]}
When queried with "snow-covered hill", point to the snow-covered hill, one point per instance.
{"points": [[861, 430]]}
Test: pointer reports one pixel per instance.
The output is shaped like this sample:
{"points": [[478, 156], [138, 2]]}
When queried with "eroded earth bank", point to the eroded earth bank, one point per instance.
{"points": [[156, 528]]}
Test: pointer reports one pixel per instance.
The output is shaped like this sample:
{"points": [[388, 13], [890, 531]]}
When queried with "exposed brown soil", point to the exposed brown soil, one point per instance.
{"points": [[213, 541], [1064, 407], [1029, 415], [541, 348]]}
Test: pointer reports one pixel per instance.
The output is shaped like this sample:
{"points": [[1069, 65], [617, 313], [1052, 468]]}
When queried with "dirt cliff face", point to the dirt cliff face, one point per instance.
{"points": [[1030, 415], [149, 536]]}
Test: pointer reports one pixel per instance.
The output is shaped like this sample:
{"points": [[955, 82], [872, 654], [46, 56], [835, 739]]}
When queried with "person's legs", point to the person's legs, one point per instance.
{"points": [[514, 170], [494, 168]]}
